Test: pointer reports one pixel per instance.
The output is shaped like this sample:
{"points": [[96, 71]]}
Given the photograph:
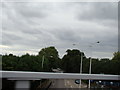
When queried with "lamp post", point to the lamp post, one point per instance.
{"points": [[80, 67], [90, 66], [43, 60], [90, 70]]}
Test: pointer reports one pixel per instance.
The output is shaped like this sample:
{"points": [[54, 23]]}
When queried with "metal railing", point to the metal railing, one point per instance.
{"points": [[23, 78]]}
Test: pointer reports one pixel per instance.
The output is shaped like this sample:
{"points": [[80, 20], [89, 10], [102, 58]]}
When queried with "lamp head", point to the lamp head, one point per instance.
{"points": [[98, 42]]}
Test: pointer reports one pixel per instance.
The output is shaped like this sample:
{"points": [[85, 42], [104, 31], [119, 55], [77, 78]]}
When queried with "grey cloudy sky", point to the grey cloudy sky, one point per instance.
{"points": [[27, 27]]}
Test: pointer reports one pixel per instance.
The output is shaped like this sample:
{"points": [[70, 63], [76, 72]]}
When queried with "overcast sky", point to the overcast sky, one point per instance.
{"points": [[27, 27]]}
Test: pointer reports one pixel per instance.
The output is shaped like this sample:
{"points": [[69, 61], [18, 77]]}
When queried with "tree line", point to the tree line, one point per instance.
{"points": [[48, 59]]}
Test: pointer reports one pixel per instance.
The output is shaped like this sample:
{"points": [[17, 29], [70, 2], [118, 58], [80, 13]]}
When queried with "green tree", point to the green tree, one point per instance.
{"points": [[115, 62], [86, 63], [71, 61], [9, 62], [51, 58], [29, 63]]}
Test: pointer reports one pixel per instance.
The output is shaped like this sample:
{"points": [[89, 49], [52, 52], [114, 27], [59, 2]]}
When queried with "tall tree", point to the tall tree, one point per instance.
{"points": [[29, 63], [115, 62], [51, 58], [9, 62], [71, 61]]}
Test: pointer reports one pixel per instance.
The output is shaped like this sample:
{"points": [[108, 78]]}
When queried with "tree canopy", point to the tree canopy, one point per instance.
{"points": [[48, 58], [71, 61]]}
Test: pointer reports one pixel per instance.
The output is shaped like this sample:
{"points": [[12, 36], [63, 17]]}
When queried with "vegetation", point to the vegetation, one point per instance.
{"points": [[48, 58], [31, 62]]}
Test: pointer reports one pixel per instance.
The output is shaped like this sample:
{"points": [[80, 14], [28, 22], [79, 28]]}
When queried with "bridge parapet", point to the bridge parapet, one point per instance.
{"points": [[22, 78]]}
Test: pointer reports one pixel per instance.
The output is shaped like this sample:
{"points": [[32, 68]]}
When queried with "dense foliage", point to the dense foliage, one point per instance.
{"points": [[48, 58], [71, 63], [32, 62]]}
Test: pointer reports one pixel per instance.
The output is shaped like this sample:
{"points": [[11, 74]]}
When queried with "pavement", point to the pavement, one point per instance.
{"points": [[65, 83]]}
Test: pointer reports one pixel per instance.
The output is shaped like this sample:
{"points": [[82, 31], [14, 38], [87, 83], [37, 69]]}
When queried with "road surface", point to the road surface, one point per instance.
{"points": [[65, 83]]}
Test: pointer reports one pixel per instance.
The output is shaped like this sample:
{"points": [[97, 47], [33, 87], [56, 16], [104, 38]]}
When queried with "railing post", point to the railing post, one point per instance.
{"points": [[22, 84]]}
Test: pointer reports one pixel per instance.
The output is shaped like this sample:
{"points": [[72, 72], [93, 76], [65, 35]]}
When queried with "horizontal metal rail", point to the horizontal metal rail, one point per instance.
{"points": [[48, 75]]}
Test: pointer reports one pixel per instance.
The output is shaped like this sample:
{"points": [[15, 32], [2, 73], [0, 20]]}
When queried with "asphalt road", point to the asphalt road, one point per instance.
{"points": [[65, 83]]}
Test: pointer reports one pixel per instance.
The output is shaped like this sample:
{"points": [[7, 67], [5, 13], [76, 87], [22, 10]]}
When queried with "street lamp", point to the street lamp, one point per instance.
{"points": [[82, 56], [80, 66], [43, 58], [81, 69], [90, 66]]}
